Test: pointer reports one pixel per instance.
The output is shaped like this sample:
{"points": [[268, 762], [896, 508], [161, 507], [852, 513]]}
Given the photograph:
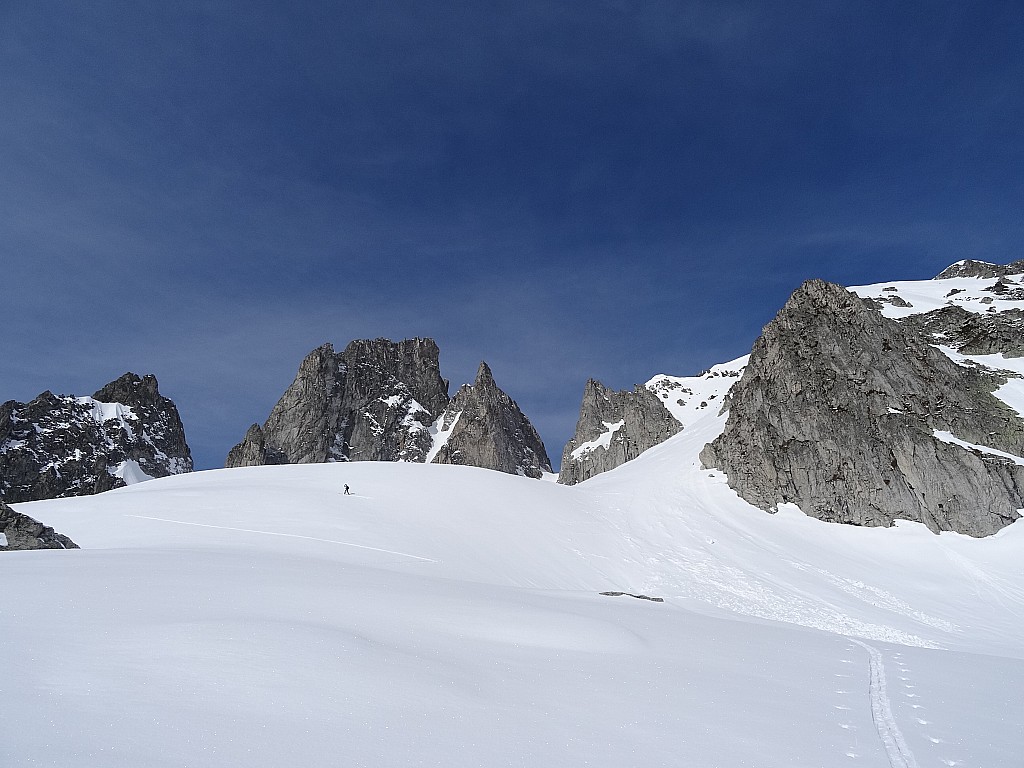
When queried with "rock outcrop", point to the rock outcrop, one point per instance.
{"points": [[385, 401], [375, 401], [972, 268], [23, 532], [486, 428], [972, 333], [613, 428], [857, 419], [60, 445]]}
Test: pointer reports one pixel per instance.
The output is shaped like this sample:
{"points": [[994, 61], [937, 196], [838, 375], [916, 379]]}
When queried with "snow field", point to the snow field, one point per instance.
{"points": [[449, 616]]}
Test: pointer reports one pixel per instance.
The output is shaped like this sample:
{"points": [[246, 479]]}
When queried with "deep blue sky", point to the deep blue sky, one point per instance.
{"points": [[208, 190]]}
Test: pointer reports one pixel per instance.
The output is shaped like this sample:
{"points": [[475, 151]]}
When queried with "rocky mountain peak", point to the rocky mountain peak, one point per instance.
{"points": [[613, 428], [131, 389], [64, 445], [484, 377], [486, 428], [855, 418], [375, 401], [381, 400]]}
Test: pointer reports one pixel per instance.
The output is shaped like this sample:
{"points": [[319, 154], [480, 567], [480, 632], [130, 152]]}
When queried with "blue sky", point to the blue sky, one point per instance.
{"points": [[208, 190]]}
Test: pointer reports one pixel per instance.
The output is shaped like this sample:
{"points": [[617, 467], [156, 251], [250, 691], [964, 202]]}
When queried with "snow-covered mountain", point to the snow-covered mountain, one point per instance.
{"points": [[452, 616], [380, 400], [901, 400], [62, 445]]}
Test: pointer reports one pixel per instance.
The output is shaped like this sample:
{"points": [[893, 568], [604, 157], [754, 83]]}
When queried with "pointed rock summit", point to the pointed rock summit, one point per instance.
{"points": [[381, 400], [613, 428], [485, 428], [857, 419], [62, 445]]}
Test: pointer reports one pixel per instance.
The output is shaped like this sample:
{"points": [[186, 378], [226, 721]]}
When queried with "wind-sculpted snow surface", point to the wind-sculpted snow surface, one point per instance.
{"points": [[451, 616]]}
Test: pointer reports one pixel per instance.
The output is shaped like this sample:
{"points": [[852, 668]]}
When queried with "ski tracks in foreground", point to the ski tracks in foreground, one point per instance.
{"points": [[896, 748]]}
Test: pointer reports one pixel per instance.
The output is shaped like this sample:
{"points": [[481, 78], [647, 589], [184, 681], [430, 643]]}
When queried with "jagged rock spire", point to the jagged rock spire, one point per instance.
{"points": [[487, 429], [384, 401], [613, 428]]}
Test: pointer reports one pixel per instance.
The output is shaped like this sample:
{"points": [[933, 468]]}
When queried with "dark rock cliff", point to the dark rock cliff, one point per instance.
{"points": [[57, 446], [23, 532]]}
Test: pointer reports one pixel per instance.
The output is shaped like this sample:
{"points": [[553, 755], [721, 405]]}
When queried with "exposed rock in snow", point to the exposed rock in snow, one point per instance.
{"points": [[58, 446], [375, 401], [838, 410], [18, 531], [485, 428], [972, 268], [613, 428], [972, 333], [386, 401]]}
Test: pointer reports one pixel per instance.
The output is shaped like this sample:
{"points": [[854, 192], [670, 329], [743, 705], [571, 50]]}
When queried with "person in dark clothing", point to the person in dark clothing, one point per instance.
{"points": [[346, 490]]}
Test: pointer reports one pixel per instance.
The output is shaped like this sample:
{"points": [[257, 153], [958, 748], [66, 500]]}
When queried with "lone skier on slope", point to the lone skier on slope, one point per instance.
{"points": [[346, 490]]}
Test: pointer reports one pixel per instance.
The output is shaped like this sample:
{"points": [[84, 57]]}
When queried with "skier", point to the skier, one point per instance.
{"points": [[346, 490]]}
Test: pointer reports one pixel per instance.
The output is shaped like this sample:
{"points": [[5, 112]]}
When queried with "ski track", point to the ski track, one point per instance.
{"points": [[287, 535], [896, 748]]}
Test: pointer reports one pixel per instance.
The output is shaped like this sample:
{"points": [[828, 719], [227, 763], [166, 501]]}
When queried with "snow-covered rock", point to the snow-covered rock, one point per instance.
{"points": [[62, 445]]}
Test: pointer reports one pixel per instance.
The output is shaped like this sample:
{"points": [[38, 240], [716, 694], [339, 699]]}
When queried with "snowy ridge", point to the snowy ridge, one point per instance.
{"points": [[688, 398], [979, 295], [987, 296]]}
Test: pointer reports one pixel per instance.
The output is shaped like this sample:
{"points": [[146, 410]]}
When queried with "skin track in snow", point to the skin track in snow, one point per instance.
{"points": [[895, 745]]}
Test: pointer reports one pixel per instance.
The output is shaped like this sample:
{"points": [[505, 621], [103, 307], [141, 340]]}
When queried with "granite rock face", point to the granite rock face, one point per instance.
{"points": [[971, 333], [23, 532], [486, 428], [853, 417], [381, 400], [375, 401], [59, 445], [613, 428]]}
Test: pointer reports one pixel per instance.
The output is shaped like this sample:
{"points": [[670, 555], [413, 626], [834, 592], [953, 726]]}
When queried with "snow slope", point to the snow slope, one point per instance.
{"points": [[450, 616]]}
